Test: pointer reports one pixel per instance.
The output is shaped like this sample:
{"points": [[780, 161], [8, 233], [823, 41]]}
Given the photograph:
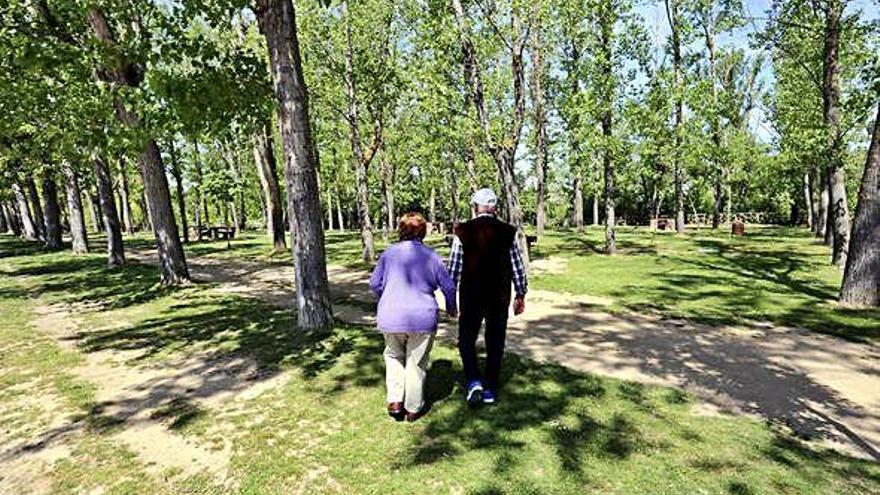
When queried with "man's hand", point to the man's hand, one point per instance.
{"points": [[452, 313], [519, 305]]}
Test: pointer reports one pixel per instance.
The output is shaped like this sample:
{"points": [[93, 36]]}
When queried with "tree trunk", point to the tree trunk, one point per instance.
{"points": [[264, 155], [328, 208], [808, 201], [24, 212], [831, 117], [37, 215], [278, 23], [861, 279], [822, 206], [339, 216], [178, 182], [540, 121], [75, 207], [607, 31], [829, 212], [115, 250], [124, 194], [361, 159], [4, 225], [239, 210], [13, 221], [672, 15], [578, 201], [172, 261], [203, 217], [95, 210], [388, 176], [51, 212], [595, 209]]}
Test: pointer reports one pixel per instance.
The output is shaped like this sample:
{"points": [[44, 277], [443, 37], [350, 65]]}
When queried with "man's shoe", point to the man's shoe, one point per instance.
{"points": [[395, 410], [489, 396], [474, 394]]}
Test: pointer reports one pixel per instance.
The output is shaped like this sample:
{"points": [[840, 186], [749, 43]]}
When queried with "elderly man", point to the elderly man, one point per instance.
{"points": [[485, 259]]}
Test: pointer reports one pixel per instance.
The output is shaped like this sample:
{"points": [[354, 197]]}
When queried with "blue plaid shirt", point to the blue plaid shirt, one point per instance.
{"points": [[520, 280]]}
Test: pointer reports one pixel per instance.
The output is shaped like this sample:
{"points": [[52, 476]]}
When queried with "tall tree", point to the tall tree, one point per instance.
{"points": [[125, 197], [172, 260], [264, 156], [672, 15], [539, 117], [839, 214], [38, 216], [27, 221], [501, 147], [177, 173], [861, 279], [607, 20], [277, 21]]}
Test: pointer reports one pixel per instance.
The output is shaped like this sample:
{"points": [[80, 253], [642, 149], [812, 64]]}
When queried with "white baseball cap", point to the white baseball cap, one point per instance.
{"points": [[484, 197]]}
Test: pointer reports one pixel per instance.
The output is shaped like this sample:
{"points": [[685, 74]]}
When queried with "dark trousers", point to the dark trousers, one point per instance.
{"points": [[472, 316]]}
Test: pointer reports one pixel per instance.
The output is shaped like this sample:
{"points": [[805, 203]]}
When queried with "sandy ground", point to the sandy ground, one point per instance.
{"points": [[825, 389]]}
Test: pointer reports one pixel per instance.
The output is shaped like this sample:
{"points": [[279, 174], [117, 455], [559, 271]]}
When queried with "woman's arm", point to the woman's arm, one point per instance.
{"points": [[446, 285], [377, 279]]}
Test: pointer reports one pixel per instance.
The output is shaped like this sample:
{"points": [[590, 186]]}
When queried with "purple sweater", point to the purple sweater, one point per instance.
{"points": [[404, 280]]}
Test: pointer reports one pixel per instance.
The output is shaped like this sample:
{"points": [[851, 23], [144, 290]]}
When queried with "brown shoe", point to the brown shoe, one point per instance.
{"points": [[412, 416], [395, 410]]}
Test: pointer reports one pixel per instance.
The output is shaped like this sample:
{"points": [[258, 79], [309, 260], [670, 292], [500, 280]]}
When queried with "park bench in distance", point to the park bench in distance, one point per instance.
{"points": [[217, 233]]}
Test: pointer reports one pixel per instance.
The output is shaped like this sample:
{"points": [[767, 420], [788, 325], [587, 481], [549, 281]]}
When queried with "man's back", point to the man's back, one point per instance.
{"points": [[486, 266]]}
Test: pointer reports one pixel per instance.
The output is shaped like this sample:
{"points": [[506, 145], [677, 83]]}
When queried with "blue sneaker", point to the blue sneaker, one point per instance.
{"points": [[474, 394], [488, 396]]}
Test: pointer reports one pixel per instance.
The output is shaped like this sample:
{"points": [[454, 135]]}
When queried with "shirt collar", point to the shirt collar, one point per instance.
{"points": [[485, 215]]}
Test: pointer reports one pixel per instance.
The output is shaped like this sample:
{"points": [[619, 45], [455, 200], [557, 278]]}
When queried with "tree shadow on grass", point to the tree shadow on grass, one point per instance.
{"points": [[744, 285], [88, 280]]}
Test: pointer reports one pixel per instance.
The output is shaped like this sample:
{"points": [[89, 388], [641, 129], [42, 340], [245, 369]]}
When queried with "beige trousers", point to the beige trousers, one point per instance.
{"points": [[406, 363]]}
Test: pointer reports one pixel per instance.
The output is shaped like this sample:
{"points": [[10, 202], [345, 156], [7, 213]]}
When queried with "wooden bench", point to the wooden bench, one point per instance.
{"points": [[217, 232]]}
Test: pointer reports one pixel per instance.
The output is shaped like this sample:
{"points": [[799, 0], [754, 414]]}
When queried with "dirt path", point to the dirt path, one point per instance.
{"points": [[136, 404], [823, 388]]}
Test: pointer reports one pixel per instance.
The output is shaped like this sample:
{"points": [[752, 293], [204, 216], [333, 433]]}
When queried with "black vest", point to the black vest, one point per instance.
{"points": [[487, 273]]}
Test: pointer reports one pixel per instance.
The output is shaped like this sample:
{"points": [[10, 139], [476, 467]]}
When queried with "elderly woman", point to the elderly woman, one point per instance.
{"points": [[405, 279]]}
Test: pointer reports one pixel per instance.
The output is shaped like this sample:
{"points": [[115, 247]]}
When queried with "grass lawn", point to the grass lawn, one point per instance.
{"points": [[773, 274], [324, 429]]}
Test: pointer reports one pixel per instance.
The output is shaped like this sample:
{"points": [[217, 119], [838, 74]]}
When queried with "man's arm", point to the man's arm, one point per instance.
{"points": [[520, 279], [456, 261]]}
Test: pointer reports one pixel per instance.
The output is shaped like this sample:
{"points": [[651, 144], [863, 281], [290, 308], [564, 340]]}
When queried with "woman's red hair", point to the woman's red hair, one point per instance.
{"points": [[412, 226]]}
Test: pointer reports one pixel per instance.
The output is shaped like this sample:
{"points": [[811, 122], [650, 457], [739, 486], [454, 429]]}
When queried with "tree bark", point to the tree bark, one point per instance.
{"points": [[606, 47], [178, 182], [672, 15], [595, 209], [172, 260], [51, 212], [822, 230], [861, 279], [264, 155], [361, 158], [37, 215], [12, 220], [340, 218], [124, 194], [578, 201], [24, 212], [74, 205], [4, 225], [277, 22], [540, 124], [115, 250], [388, 176], [808, 201], [831, 116]]}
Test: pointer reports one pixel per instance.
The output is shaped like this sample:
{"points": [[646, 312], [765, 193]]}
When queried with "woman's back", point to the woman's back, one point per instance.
{"points": [[405, 279]]}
